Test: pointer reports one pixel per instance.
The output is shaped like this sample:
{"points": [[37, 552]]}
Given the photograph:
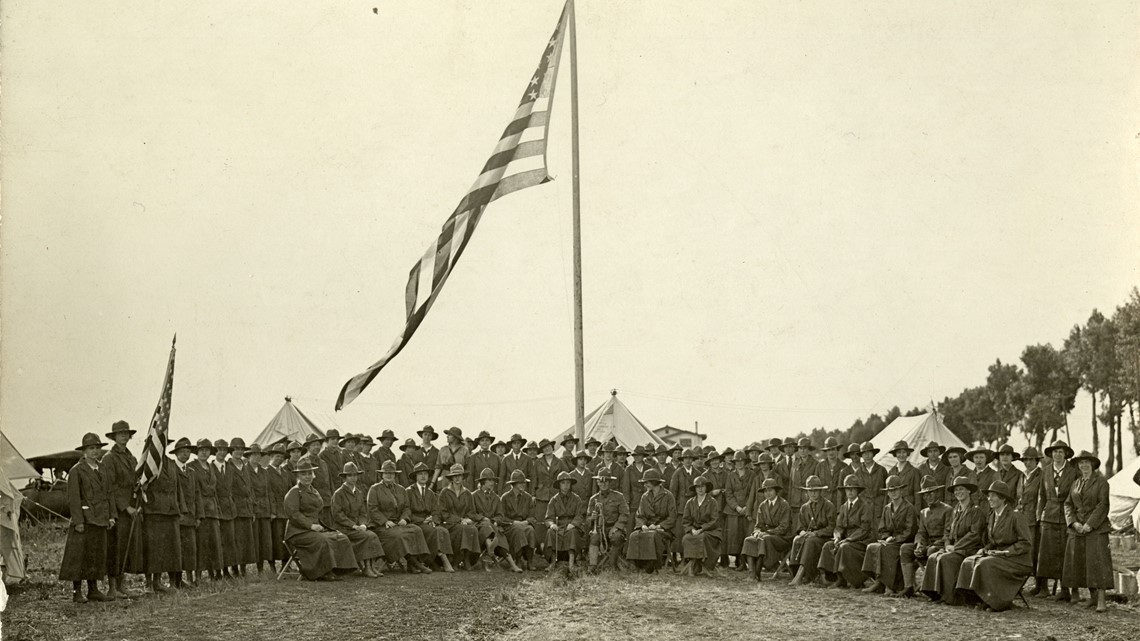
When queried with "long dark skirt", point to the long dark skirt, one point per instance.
{"points": [[1088, 562], [84, 554], [1035, 544], [188, 540], [1051, 554], [736, 529], [120, 559], [846, 559], [209, 545], [489, 531], [520, 537], [228, 544], [940, 578], [400, 541], [703, 547], [162, 549], [365, 545], [992, 579], [319, 553], [246, 551], [263, 536], [806, 548], [882, 562], [437, 539], [278, 534], [769, 549], [648, 545], [464, 538], [563, 540]]}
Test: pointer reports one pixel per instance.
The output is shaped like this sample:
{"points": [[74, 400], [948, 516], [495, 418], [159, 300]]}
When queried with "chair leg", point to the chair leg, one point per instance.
{"points": [[284, 566]]}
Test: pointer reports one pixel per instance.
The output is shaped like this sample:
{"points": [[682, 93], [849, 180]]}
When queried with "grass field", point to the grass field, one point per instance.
{"points": [[499, 605]]}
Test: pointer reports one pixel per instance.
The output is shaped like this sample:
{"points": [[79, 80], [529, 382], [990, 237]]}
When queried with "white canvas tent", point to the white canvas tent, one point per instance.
{"points": [[13, 466], [1124, 497], [290, 423], [917, 431], [614, 420]]}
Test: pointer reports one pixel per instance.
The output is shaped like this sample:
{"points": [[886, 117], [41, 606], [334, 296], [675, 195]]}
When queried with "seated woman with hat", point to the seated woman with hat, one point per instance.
{"points": [[424, 513], [456, 508], [932, 522], [319, 551], [896, 527], [518, 518], [487, 513], [652, 533], [389, 517], [962, 538], [817, 524], [350, 518], [564, 522], [700, 545], [1088, 562], [89, 497], [841, 559], [607, 520], [995, 574], [771, 528]]}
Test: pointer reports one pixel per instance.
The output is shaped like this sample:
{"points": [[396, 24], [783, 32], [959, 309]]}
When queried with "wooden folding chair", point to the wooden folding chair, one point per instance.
{"points": [[291, 562], [1020, 594]]}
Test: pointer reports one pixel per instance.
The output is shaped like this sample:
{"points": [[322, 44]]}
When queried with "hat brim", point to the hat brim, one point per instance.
{"points": [[111, 435], [772, 487], [83, 447], [1092, 459], [1069, 451], [517, 481], [213, 450], [852, 487], [897, 487], [432, 434], [874, 451], [1016, 455], [1007, 497], [941, 450], [823, 489], [908, 450], [175, 448], [990, 455], [969, 486], [310, 468], [571, 481], [932, 489]]}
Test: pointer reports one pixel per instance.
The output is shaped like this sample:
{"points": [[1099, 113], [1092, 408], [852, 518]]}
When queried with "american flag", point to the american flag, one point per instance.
{"points": [[154, 448], [518, 162]]}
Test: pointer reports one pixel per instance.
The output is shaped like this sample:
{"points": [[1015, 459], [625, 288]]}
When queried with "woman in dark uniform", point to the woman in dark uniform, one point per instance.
{"points": [[162, 552], [565, 514], [191, 515], [92, 513], [653, 525], [771, 530], [518, 508], [994, 576], [488, 517], [1088, 562], [319, 552], [388, 516], [456, 506], [841, 559], [817, 523], [737, 484], [1056, 482], [209, 532], [962, 538], [224, 490], [350, 517], [237, 473], [700, 546]]}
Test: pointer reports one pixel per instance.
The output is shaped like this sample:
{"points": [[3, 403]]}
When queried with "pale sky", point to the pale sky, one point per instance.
{"points": [[794, 214]]}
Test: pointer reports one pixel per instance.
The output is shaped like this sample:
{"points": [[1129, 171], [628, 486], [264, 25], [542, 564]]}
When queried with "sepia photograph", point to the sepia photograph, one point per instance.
{"points": [[569, 319]]}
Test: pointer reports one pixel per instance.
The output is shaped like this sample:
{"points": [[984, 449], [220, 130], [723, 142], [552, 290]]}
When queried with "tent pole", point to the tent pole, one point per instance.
{"points": [[579, 358]]}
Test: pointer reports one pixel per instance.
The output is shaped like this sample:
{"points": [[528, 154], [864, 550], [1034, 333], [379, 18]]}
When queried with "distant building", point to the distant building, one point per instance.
{"points": [[677, 436]]}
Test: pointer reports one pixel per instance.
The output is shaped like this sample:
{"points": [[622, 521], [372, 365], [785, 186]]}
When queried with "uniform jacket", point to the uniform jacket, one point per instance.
{"points": [[277, 486], [224, 491], [406, 463], [89, 497], [510, 463], [487, 506], [583, 475], [259, 492], [1088, 504], [854, 521], [188, 485], [369, 469], [773, 517], [449, 456], [614, 508], [387, 502], [518, 506], [455, 506], [965, 528], [303, 509], [951, 474], [818, 518], [898, 522], [657, 509], [833, 475], [755, 494], [118, 467], [1013, 478], [545, 472], [1055, 489], [932, 523], [566, 509], [940, 473], [1010, 532], [206, 479], [913, 480], [163, 494], [1030, 502], [615, 470], [874, 480], [483, 459], [240, 489], [632, 487], [325, 476], [798, 473], [422, 503], [681, 483], [983, 478], [382, 454], [349, 508], [332, 458], [737, 485], [705, 516]]}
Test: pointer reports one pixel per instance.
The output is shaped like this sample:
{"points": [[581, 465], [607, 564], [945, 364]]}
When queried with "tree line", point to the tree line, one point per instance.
{"points": [[1037, 395]]}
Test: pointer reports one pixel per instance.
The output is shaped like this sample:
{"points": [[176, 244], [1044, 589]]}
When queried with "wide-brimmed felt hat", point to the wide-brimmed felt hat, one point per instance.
{"points": [[621, 451], [764, 458], [90, 439], [484, 434], [868, 446], [604, 474], [237, 442], [120, 427], [740, 455], [349, 437], [181, 444], [388, 435], [788, 442], [313, 438], [676, 448], [960, 451], [830, 443], [545, 443], [805, 442], [1031, 453], [1006, 448], [1001, 489], [499, 444], [1085, 455], [753, 447], [775, 441], [990, 455], [929, 484], [349, 468], [713, 456], [518, 476], [428, 430], [609, 447], [221, 445], [205, 443], [592, 441], [688, 454], [409, 444], [389, 467], [454, 431], [366, 439], [420, 467], [651, 449], [278, 448], [702, 480], [895, 482], [566, 476], [581, 454], [530, 446], [770, 484], [963, 481], [901, 445], [932, 445], [455, 470], [517, 437], [852, 482], [1059, 445], [652, 476], [569, 438], [639, 450], [333, 433], [813, 482], [728, 451], [852, 450], [487, 475], [305, 464], [253, 450]]}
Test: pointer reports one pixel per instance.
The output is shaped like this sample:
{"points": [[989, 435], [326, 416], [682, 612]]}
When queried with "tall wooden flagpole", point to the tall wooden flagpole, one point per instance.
{"points": [[579, 359]]}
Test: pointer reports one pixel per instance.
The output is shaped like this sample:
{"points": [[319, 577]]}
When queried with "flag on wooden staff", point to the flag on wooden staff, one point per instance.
{"points": [[154, 448], [518, 162]]}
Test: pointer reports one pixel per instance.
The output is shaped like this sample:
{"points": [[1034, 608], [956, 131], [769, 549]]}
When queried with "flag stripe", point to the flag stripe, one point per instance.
{"points": [[154, 446]]}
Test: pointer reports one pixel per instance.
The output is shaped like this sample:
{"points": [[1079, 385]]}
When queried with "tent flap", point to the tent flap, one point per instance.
{"points": [[289, 424], [917, 431], [614, 420]]}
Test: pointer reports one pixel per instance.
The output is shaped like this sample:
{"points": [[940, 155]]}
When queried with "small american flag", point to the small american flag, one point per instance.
{"points": [[518, 162], [154, 448]]}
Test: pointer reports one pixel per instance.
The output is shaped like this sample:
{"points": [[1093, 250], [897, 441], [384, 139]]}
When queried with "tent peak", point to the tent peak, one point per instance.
{"points": [[288, 399], [613, 392]]}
